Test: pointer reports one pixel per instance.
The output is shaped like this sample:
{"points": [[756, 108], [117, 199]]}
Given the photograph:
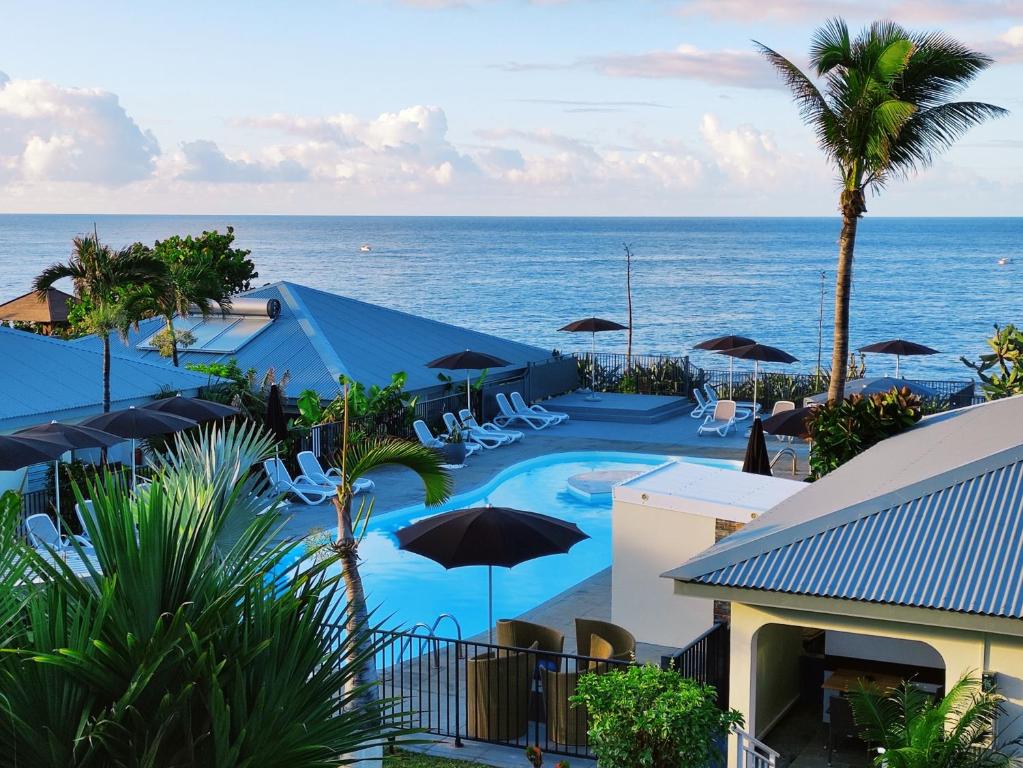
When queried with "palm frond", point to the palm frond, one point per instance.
{"points": [[831, 46], [929, 132], [368, 454]]}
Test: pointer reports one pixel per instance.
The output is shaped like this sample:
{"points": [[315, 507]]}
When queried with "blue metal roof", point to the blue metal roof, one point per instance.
{"points": [[959, 548], [320, 335], [46, 378]]}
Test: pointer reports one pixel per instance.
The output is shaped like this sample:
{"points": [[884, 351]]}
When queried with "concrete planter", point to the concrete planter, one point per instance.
{"points": [[454, 453]]}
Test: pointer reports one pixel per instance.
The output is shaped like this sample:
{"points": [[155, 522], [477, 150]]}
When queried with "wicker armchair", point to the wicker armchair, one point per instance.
{"points": [[523, 634], [497, 694], [623, 643]]}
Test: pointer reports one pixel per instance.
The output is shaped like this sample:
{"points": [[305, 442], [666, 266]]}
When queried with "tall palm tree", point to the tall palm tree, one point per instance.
{"points": [[917, 732], [101, 276], [360, 455], [883, 112]]}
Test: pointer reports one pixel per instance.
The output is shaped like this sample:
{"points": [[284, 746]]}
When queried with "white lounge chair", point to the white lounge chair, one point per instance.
{"points": [[509, 415], [520, 406], [301, 487], [427, 438], [722, 420], [743, 409], [486, 440], [703, 406], [469, 421], [312, 469], [43, 534]]}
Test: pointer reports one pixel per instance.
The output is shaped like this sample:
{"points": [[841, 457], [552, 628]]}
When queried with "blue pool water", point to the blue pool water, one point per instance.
{"points": [[408, 588]]}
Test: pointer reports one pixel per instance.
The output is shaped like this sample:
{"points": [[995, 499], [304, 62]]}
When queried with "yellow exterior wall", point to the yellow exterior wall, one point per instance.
{"points": [[961, 650], [646, 542], [778, 650]]}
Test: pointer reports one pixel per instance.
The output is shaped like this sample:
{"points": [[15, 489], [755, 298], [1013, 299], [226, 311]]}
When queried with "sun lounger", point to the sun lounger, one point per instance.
{"points": [[301, 487], [743, 409], [780, 407], [469, 421], [43, 535], [703, 406], [519, 403], [312, 469], [427, 439], [486, 440], [721, 420], [509, 415]]}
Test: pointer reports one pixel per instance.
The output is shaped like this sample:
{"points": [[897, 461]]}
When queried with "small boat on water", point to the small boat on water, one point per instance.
{"points": [[365, 248], [1003, 261]]}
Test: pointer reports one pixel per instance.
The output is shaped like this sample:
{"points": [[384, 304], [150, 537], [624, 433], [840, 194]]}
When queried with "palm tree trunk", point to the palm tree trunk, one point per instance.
{"points": [[358, 614], [851, 213], [106, 372], [173, 339]]}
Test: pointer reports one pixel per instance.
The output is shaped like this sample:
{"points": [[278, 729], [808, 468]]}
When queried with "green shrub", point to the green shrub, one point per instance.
{"points": [[1006, 359], [645, 717], [842, 430]]}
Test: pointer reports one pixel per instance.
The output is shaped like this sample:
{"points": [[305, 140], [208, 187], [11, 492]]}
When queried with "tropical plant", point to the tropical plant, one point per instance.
{"points": [[245, 390], [101, 276], [373, 411], [647, 717], [359, 455], [1006, 359], [884, 113], [839, 431], [912, 730], [185, 646]]}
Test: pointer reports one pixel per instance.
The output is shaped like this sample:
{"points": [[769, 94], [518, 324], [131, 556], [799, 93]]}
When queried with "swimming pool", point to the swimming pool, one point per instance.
{"points": [[406, 588]]}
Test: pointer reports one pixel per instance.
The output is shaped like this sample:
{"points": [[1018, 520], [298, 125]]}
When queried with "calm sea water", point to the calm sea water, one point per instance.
{"points": [[936, 281]]}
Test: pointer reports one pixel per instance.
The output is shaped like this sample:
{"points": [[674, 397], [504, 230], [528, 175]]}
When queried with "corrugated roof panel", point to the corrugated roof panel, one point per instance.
{"points": [[959, 548]]}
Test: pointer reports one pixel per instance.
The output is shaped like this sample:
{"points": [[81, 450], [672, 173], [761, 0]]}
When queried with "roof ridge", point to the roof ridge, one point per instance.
{"points": [[721, 557], [328, 355]]}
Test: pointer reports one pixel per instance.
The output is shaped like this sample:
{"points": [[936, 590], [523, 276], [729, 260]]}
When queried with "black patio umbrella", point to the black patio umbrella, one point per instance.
{"points": [[192, 408], [899, 348], [136, 424], [592, 326], [789, 423], [18, 451], [75, 436], [756, 461], [467, 360], [758, 353], [489, 536], [720, 343]]}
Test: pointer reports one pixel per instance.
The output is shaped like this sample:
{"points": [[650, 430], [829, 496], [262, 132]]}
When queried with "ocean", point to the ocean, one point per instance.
{"points": [[936, 281]]}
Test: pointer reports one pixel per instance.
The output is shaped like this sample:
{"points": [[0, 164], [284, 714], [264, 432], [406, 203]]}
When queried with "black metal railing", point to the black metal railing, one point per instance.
{"points": [[638, 374], [476, 691], [705, 660]]}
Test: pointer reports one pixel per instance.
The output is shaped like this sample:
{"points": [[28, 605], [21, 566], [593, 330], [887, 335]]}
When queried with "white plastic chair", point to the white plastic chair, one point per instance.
{"points": [[485, 440], [743, 409], [519, 403], [722, 420], [43, 534], [301, 487], [469, 421], [312, 469], [703, 407], [509, 415], [781, 407]]}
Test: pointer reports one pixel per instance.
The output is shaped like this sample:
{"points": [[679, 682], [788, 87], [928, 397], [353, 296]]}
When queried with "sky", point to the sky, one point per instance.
{"points": [[460, 107]]}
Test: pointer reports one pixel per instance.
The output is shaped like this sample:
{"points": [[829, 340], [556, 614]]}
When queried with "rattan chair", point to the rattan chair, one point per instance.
{"points": [[497, 694]]}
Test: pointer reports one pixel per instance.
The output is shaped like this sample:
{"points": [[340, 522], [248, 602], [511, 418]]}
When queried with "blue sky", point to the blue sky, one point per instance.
{"points": [[573, 107]]}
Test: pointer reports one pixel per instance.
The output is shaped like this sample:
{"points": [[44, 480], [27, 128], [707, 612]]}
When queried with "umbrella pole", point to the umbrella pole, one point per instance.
{"points": [[896, 366], [593, 367], [756, 380], [730, 361], [468, 393], [490, 604], [133, 463]]}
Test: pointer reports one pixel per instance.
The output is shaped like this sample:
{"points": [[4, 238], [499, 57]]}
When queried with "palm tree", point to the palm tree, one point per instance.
{"points": [[884, 113], [101, 276], [360, 455], [916, 732]]}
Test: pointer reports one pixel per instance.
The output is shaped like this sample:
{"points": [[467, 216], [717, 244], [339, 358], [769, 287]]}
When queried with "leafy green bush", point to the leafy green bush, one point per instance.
{"points": [[1007, 359], [842, 430], [374, 411], [646, 717], [647, 375], [188, 646]]}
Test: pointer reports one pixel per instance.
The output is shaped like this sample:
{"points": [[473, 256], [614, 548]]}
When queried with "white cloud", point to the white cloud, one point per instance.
{"points": [[743, 153], [926, 12], [687, 62], [55, 133], [204, 161]]}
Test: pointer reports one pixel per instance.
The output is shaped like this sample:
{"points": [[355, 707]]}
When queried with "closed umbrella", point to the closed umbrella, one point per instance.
{"points": [[489, 536], [276, 424], [73, 435], [192, 408], [592, 326], [137, 424], [758, 353], [756, 461], [467, 360], [721, 343], [899, 348]]}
